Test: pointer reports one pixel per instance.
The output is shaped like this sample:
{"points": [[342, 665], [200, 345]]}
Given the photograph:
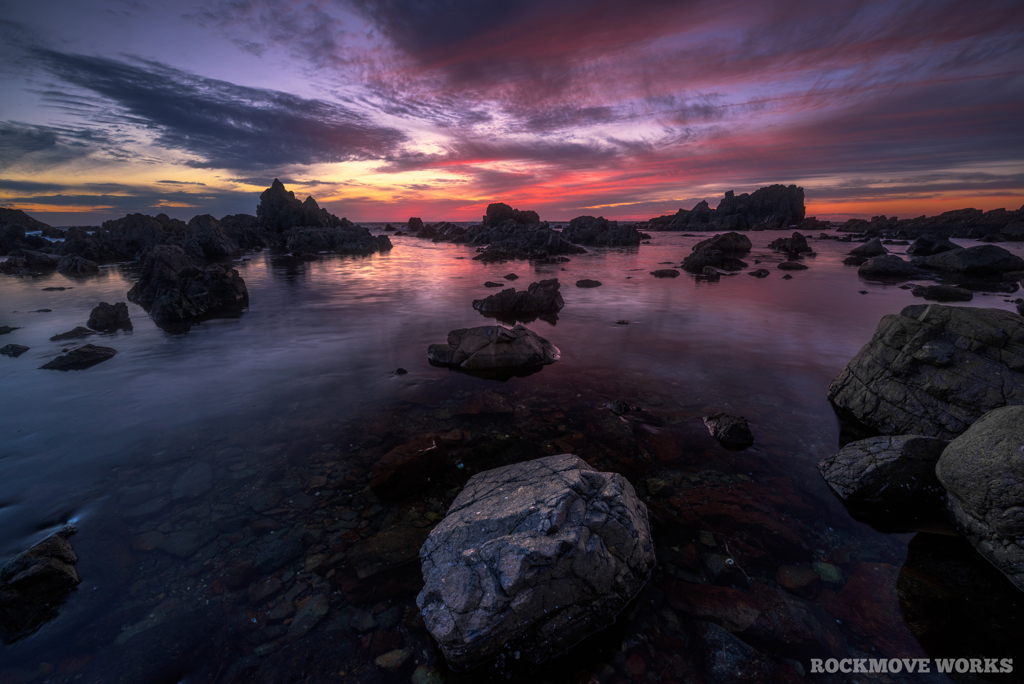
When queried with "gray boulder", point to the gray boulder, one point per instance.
{"points": [[536, 555], [983, 261], [933, 370], [493, 348], [887, 267], [887, 474], [871, 248], [983, 473]]}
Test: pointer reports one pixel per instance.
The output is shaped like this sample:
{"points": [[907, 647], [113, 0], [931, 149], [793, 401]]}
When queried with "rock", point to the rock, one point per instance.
{"points": [[887, 267], [588, 283], [414, 225], [890, 479], [871, 248], [193, 483], [13, 350], [797, 244], [34, 583], [587, 230], [6, 329], [110, 317], [276, 553], [798, 580], [760, 273], [408, 468], [701, 259], [40, 260], [769, 208], [537, 555], [72, 264], [732, 432], [728, 659], [728, 243], [83, 357], [787, 277], [490, 283], [308, 616], [665, 273], [983, 261], [493, 348], [392, 548], [511, 276], [792, 266], [486, 403], [279, 211], [175, 290], [927, 245], [78, 333], [983, 473], [499, 212], [933, 370], [538, 298], [854, 260], [942, 293]]}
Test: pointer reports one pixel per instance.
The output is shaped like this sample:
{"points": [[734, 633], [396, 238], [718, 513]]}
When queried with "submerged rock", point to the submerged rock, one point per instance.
{"points": [[732, 432], [175, 290], [408, 467], [537, 555], [588, 283], [34, 584], [540, 297], [888, 479], [83, 357], [983, 473], [6, 329], [760, 273], [943, 293], [494, 348], [665, 273], [792, 266], [13, 350], [110, 317], [933, 370]]}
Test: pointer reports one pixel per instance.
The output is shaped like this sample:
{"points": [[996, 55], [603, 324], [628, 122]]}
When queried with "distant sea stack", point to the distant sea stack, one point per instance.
{"points": [[772, 208]]}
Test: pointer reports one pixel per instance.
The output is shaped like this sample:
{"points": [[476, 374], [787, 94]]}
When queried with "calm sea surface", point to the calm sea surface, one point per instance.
{"points": [[302, 386]]}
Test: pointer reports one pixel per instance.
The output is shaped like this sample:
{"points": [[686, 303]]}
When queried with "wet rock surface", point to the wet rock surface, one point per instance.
{"points": [[175, 290], [80, 358], [540, 554], [711, 257], [871, 248], [494, 348], [933, 370], [732, 432], [78, 332], [730, 243], [927, 245], [983, 473], [109, 317], [13, 350], [539, 298], [34, 583], [943, 293]]}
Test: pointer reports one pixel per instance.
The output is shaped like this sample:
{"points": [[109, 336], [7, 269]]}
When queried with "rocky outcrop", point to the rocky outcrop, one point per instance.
{"points": [[730, 243], [499, 212], [244, 229], [887, 477], [933, 370], [207, 237], [983, 473], [347, 240], [83, 357], [534, 556], [279, 211], [587, 230], [72, 264], [770, 208], [494, 348], [942, 293], [539, 298], [871, 248], [928, 244], [796, 244], [983, 261], [34, 584], [732, 432], [887, 267], [14, 226], [174, 290], [714, 258], [110, 317], [414, 225]]}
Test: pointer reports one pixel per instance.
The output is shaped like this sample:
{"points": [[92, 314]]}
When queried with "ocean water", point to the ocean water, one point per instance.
{"points": [[295, 398]]}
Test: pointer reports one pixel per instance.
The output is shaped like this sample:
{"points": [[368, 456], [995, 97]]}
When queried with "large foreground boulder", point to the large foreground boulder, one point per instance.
{"points": [[494, 348], [887, 477], [983, 473], [534, 556], [34, 583], [933, 370], [539, 298], [175, 290]]}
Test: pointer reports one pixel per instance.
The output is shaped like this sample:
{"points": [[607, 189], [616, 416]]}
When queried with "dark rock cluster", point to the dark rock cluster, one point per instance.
{"points": [[770, 208], [539, 298], [991, 226], [590, 231]]}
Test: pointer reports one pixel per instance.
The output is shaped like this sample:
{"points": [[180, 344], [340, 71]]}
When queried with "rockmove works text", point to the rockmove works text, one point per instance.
{"points": [[914, 665]]}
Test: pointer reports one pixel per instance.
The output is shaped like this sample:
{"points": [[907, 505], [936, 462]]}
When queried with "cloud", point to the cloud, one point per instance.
{"points": [[223, 125]]}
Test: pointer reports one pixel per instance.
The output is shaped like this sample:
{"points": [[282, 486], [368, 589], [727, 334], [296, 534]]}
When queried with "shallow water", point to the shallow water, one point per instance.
{"points": [[302, 386]]}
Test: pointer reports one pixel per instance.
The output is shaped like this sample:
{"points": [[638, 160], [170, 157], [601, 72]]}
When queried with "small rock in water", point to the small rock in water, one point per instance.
{"points": [[407, 468], [56, 289], [110, 317], [618, 407], [665, 273], [760, 273], [863, 291], [77, 333], [787, 277], [621, 322], [83, 357], [5, 329], [13, 350], [732, 432], [943, 293], [511, 276], [401, 371], [804, 582], [392, 661], [41, 311], [588, 283], [792, 266], [308, 616], [491, 283]]}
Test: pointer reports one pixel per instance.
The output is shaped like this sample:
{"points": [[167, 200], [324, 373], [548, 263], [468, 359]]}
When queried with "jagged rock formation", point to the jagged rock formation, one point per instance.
{"points": [[175, 290], [499, 212], [536, 556], [539, 298], [933, 370], [983, 261], [110, 317], [770, 208], [590, 231], [960, 223]]}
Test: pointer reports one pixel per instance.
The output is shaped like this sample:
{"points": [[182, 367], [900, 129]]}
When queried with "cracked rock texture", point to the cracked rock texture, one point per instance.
{"points": [[33, 584], [983, 473], [493, 347], [534, 556], [933, 370]]}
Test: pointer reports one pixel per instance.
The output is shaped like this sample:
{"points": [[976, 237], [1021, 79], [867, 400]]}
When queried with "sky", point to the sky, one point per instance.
{"points": [[386, 109]]}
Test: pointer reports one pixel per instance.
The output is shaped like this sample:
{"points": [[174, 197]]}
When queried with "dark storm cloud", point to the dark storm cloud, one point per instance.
{"points": [[222, 124], [466, 152], [36, 146]]}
